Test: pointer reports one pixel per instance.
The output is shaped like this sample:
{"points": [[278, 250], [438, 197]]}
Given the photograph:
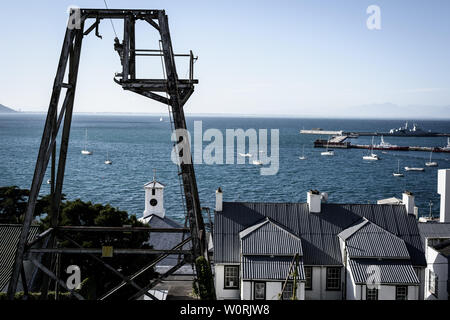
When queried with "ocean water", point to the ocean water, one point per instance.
{"points": [[138, 144]]}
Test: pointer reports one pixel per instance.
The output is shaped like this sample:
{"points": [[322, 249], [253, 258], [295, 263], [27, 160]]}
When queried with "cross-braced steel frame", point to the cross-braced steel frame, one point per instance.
{"points": [[177, 92]]}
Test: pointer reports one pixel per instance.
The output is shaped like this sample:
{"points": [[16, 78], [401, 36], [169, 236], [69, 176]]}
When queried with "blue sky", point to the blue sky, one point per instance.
{"points": [[255, 57]]}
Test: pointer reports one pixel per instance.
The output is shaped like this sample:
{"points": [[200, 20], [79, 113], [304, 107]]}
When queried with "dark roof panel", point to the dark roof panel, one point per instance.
{"points": [[9, 238], [267, 268], [318, 231], [371, 241], [268, 238], [391, 272]]}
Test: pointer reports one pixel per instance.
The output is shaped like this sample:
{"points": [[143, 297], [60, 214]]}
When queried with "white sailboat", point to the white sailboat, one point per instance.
{"points": [[398, 173], [107, 161], [371, 156], [414, 169], [302, 157], [161, 119], [328, 152], [431, 163], [85, 151], [257, 162]]}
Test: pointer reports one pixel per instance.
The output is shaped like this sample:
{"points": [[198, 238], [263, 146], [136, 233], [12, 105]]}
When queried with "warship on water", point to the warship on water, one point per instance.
{"points": [[414, 131]]}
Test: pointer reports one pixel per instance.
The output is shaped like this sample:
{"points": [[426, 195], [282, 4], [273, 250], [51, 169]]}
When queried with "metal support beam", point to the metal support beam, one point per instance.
{"points": [[120, 229], [109, 267], [53, 276], [158, 280], [193, 207], [99, 251], [142, 270], [41, 164]]}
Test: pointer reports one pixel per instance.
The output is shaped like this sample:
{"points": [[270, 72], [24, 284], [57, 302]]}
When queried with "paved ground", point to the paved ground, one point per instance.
{"points": [[177, 289]]}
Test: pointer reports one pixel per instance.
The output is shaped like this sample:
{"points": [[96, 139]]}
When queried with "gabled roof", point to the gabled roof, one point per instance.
{"points": [[347, 233], [318, 232], [269, 238], [9, 238], [371, 241], [269, 268], [434, 230], [154, 184], [391, 271]]}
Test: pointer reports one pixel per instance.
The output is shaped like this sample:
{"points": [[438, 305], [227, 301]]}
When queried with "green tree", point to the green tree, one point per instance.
{"points": [[97, 279], [13, 204]]}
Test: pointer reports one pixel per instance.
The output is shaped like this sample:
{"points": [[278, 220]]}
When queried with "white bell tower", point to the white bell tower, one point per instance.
{"points": [[154, 200]]}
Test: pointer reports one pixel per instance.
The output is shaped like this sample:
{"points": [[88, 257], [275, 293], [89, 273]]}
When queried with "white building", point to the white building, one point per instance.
{"points": [[337, 244], [436, 241], [155, 216]]}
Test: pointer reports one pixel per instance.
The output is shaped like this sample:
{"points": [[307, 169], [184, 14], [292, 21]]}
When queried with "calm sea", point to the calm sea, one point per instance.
{"points": [[138, 144]]}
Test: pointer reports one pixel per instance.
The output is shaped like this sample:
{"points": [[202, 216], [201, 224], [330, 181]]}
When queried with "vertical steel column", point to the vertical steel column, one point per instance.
{"points": [[193, 207], [42, 162], [132, 65], [74, 60], [126, 48]]}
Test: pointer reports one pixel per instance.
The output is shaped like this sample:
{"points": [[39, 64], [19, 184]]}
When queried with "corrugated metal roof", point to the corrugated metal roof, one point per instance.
{"points": [[347, 233], [270, 239], [167, 240], [9, 238], [318, 232], [371, 241], [391, 271], [267, 268], [434, 229]]}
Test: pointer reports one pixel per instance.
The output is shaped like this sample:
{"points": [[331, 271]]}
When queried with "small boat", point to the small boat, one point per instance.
{"points": [[302, 157], [447, 147], [398, 174], [257, 162], [107, 161], [328, 152], [248, 155], [431, 163], [85, 150], [161, 119], [414, 169], [371, 156], [49, 181], [385, 145]]}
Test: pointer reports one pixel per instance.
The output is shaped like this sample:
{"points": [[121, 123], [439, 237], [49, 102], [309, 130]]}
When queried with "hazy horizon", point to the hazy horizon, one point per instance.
{"points": [[319, 60]]}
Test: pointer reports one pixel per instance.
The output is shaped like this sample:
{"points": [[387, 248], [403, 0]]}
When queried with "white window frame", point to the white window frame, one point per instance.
{"points": [[234, 277], [433, 281], [403, 296]]}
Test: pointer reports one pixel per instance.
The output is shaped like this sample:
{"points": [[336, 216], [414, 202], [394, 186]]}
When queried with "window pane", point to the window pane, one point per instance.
{"points": [[288, 291], [260, 290], [371, 294], [401, 293], [231, 274], [333, 278], [308, 278]]}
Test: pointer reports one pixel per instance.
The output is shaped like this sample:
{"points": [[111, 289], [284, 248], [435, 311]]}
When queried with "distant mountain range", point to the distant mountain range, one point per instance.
{"points": [[5, 109], [393, 111]]}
